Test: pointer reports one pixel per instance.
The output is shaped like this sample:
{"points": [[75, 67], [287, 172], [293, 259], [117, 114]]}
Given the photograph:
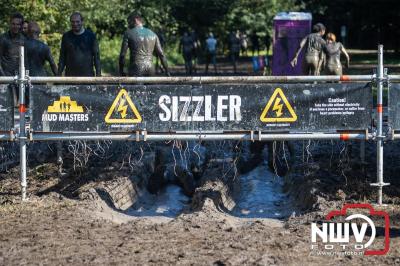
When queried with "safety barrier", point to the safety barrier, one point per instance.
{"points": [[254, 108]]}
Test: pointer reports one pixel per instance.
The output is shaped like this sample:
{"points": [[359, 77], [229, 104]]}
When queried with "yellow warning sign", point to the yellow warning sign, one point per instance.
{"points": [[65, 105], [276, 108], [123, 110]]}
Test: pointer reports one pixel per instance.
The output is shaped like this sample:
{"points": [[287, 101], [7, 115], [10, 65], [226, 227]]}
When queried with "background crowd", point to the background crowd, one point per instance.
{"points": [[170, 19]]}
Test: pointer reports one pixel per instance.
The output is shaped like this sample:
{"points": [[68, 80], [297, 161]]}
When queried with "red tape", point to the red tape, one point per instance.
{"points": [[344, 137], [379, 108], [22, 108], [344, 78]]}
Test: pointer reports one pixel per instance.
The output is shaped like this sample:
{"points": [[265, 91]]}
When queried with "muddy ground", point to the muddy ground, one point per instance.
{"points": [[80, 219]]}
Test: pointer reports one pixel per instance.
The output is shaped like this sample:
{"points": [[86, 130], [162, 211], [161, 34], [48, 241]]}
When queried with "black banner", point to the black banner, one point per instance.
{"points": [[170, 108], [394, 106], [6, 107]]}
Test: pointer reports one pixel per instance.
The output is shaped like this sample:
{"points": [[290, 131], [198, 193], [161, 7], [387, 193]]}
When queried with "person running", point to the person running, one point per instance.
{"points": [[332, 51], [186, 48], [314, 55], [37, 53], [142, 43], [211, 52], [234, 49], [79, 52]]}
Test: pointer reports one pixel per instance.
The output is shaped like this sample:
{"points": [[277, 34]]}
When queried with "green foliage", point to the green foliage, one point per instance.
{"points": [[255, 15], [200, 14], [109, 54], [107, 18]]}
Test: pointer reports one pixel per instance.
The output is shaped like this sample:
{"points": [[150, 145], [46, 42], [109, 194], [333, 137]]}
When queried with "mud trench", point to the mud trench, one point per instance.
{"points": [[241, 179], [238, 179], [255, 194]]}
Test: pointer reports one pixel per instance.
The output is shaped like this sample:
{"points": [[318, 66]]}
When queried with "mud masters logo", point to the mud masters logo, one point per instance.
{"points": [[356, 229], [65, 110]]}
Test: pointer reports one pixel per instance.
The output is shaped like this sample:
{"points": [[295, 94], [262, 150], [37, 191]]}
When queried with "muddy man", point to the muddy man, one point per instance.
{"points": [[314, 55], [142, 43], [79, 52]]}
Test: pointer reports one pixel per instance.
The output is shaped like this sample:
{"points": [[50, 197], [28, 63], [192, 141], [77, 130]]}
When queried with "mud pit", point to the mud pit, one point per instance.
{"points": [[103, 213]]}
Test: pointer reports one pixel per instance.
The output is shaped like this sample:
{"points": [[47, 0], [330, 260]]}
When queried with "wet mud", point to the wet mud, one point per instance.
{"points": [[189, 203]]}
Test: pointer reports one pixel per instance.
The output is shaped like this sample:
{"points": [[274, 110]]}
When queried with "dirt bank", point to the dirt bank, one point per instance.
{"points": [[67, 221]]}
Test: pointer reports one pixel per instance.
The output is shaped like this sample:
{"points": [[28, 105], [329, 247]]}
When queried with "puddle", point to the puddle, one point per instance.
{"points": [[261, 195], [169, 202]]}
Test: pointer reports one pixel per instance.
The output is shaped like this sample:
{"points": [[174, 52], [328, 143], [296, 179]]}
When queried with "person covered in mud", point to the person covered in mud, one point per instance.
{"points": [[79, 52], [314, 55], [9, 46], [142, 43], [186, 47], [333, 50], [37, 53], [234, 49], [9, 51]]}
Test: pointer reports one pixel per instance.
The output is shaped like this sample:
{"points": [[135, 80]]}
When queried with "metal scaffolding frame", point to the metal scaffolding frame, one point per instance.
{"points": [[23, 136]]}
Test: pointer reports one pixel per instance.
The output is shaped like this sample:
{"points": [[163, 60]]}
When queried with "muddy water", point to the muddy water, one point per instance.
{"points": [[261, 195], [169, 202]]}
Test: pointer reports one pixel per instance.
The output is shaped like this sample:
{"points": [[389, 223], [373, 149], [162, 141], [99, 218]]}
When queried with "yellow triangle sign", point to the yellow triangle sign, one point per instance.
{"points": [[122, 105], [273, 111]]}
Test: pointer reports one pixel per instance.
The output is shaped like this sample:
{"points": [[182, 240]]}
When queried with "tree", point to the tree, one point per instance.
{"points": [[200, 14]]}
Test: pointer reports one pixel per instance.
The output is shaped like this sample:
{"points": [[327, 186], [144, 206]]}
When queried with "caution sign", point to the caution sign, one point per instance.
{"points": [[123, 110], [278, 109]]}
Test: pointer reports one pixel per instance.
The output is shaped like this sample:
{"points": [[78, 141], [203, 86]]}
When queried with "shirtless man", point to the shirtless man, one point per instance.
{"points": [[37, 53], [79, 50], [142, 43], [314, 55]]}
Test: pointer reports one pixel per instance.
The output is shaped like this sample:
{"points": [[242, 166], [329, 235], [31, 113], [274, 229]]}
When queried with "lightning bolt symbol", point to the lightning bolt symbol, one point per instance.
{"points": [[123, 108], [278, 107]]}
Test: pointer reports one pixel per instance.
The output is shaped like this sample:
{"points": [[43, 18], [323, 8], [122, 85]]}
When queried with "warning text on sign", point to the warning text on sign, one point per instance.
{"points": [[337, 106]]}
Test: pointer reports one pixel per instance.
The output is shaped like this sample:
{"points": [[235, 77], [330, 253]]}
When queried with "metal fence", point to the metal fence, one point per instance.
{"points": [[23, 136]]}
